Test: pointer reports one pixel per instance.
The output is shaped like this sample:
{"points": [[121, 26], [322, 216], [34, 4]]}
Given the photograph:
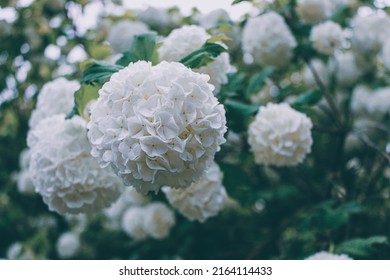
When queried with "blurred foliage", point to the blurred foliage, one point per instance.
{"points": [[338, 200]]}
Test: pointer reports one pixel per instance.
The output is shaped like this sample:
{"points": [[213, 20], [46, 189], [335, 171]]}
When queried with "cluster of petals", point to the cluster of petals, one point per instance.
{"points": [[121, 34], [55, 97], [63, 171], [157, 125], [203, 199], [327, 37], [154, 220], [280, 135], [268, 40]]}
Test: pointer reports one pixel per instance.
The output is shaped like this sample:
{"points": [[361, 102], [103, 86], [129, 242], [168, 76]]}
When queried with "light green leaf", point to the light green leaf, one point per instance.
{"points": [[84, 95], [241, 108]]}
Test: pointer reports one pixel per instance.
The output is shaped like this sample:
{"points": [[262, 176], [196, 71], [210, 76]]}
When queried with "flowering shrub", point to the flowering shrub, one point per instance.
{"points": [[263, 137]]}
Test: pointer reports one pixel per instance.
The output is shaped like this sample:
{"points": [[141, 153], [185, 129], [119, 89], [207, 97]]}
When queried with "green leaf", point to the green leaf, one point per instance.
{"points": [[257, 81], [142, 48], [238, 1], [361, 247], [203, 56], [310, 97], [98, 72], [241, 108], [84, 95]]}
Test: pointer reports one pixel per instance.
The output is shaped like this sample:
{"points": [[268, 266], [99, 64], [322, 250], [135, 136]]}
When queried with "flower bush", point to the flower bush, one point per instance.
{"points": [[263, 136]]}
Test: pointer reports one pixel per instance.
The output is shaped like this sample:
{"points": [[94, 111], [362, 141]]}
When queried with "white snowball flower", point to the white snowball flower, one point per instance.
{"points": [[55, 97], [157, 125], [183, 41], [314, 11], [203, 199], [158, 220], [122, 33], [133, 223], [386, 54], [328, 256], [69, 179], [280, 136], [360, 97], [346, 69], [268, 40], [320, 68], [67, 245], [129, 197], [327, 37], [369, 33], [379, 102]]}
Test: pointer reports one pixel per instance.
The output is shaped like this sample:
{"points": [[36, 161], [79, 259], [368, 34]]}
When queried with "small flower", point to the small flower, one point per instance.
{"points": [[132, 223], [327, 37], [203, 199], [64, 173], [67, 245], [314, 11], [122, 33], [369, 33], [268, 40], [157, 125], [280, 136], [183, 41], [158, 220], [55, 97]]}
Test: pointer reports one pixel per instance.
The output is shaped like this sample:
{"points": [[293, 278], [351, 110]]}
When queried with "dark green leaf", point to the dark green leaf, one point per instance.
{"points": [[84, 95], [310, 97], [361, 247], [241, 108], [98, 72], [142, 48], [203, 56], [257, 81]]}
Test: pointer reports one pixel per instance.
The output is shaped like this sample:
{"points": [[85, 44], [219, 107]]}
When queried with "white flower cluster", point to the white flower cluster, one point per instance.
{"points": [[346, 69], [268, 40], [122, 33], [360, 96], [129, 197], [23, 178], [154, 220], [370, 33], [69, 179], [328, 256], [327, 37], [280, 136], [375, 103], [314, 11], [68, 244], [55, 97], [203, 199], [157, 125], [183, 41]]}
